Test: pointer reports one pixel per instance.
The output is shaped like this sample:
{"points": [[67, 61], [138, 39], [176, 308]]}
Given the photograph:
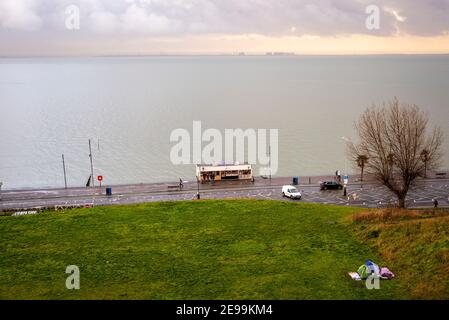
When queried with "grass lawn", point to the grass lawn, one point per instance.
{"points": [[233, 249], [415, 244]]}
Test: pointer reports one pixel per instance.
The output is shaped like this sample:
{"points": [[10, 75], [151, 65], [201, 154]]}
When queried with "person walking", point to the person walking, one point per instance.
{"points": [[435, 203], [181, 184]]}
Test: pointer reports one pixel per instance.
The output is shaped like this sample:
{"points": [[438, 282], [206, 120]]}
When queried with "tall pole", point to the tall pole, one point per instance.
{"points": [[91, 165], [361, 177], [63, 167], [198, 185], [346, 166], [346, 160], [269, 154]]}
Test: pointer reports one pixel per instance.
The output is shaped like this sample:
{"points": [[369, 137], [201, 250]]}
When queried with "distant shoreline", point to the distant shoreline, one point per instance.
{"points": [[239, 55]]}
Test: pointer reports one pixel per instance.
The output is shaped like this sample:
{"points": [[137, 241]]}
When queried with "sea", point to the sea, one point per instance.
{"points": [[129, 107]]}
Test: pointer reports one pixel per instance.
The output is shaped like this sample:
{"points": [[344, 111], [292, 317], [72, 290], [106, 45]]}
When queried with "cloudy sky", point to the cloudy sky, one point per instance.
{"points": [[53, 27]]}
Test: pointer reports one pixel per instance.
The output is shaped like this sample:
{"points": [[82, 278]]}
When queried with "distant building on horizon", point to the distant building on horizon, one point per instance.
{"points": [[280, 54]]}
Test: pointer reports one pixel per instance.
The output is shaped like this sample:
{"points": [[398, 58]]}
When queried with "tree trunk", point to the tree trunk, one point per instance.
{"points": [[401, 201]]}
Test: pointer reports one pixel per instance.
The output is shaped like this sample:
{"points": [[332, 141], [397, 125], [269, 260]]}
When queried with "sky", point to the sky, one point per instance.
{"points": [[130, 27]]}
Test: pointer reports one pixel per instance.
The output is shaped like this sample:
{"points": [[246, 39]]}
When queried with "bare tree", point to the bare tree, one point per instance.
{"points": [[425, 159], [394, 137]]}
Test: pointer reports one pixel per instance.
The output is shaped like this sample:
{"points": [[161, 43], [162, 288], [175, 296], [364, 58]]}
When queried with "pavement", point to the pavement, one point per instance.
{"points": [[369, 194]]}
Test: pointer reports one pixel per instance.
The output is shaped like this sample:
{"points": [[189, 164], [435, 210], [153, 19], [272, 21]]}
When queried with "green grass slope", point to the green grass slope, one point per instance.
{"points": [[414, 243], [234, 249]]}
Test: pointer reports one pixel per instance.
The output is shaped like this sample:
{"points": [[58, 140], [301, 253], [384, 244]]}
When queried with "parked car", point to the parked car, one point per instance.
{"points": [[330, 185], [291, 192]]}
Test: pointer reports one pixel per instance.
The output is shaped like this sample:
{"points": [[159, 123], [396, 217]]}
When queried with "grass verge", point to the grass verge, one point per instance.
{"points": [[415, 244], [233, 249]]}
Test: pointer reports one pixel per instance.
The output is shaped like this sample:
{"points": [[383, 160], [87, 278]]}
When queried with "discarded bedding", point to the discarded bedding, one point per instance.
{"points": [[369, 268]]}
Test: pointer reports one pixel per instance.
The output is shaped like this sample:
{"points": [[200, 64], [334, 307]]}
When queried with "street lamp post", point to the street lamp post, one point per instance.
{"points": [[345, 190], [361, 162], [269, 155], [346, 160]]}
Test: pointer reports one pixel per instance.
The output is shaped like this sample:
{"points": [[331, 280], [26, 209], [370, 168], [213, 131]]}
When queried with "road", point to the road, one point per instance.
{"points": [[370, 195]]}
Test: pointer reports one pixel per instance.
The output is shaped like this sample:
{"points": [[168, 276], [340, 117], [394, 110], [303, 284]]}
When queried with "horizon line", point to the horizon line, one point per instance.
{"points": [[218, 54]]}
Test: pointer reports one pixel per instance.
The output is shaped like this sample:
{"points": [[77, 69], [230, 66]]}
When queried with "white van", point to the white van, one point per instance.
{"points": [[291, 192]]}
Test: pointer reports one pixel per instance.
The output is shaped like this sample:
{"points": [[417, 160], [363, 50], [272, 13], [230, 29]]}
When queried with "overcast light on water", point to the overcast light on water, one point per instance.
{"points": [[129, 107]]}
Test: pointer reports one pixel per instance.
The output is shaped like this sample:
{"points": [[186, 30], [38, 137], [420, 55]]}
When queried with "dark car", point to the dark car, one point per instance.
{"points": [[330, 185]]}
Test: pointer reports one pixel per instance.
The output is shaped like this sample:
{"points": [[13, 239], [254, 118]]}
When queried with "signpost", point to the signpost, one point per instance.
{"points": [[63, 167], [100, 178]]}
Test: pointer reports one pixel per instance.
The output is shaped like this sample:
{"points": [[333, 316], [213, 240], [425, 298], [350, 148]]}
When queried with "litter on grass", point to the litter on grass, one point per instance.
{"points": [[355, 276], [369, 268]]}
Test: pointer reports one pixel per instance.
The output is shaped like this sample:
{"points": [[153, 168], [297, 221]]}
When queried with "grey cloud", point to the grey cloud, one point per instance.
{"points": [[424, 18], [265, 17], [19, 15]]}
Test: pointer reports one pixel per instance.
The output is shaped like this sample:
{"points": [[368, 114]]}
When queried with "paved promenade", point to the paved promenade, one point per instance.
{"points": [[369, 194]]}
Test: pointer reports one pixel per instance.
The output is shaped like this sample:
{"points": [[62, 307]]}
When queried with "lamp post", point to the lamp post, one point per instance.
{"points": [[347, 140], [198, 186], [346, 175], [361, 161], [63, 168], [269, 164], [91, 165]]}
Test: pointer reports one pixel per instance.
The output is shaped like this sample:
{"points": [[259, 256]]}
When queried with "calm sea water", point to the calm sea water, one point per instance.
{"points": [[129, 106]]}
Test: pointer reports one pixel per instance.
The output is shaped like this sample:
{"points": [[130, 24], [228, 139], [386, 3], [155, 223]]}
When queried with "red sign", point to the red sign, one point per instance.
{"points": [[99, 178]]}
